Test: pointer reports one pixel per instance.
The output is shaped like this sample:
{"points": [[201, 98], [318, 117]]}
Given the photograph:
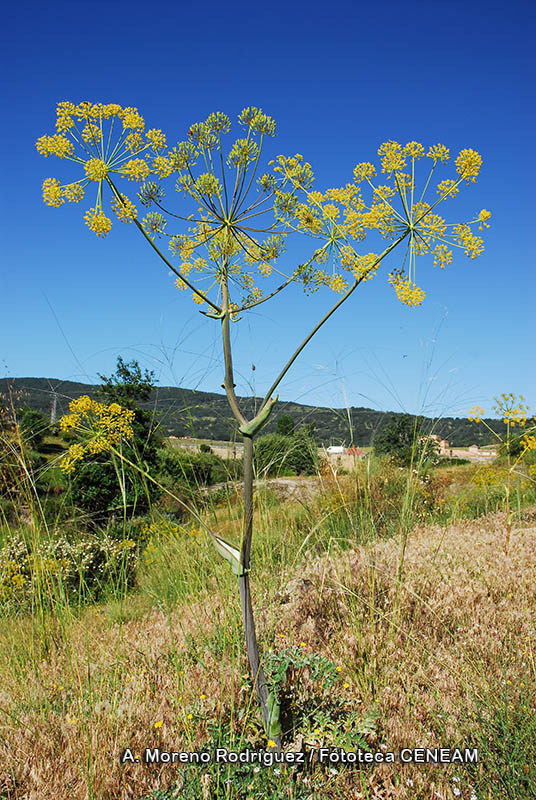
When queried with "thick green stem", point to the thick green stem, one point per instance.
{"points": [[245, 595], [252, 646]]}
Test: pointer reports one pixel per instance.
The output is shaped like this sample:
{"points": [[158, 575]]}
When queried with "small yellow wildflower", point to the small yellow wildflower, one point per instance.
{"points": [[406, 290], [98, 222], [447, 188], [439, 153], [124, 209], [73, 192], [158, 724], [364, 170], [338, 284], [132, 119], [95, 169], [339, 669], [414, 150], [468, 164], [442, 256], [52, 192], [156, 138], [136, 169], [392, 156], [483, 218], [271, 743], [56, 145]]}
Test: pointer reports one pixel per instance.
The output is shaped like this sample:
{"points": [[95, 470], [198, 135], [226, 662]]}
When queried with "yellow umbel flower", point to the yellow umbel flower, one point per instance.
{"points": [[265, 269], [95, 169], [100, 425], [483, 218], [73, 192], [473, 245], [136, 169], [132, 119], [156, 138], [330, 211], [98, 222], [64, 114], [442, 256], [91, 133], [476, 414], [468, 164], [406, 290], [124, 209], [392, 156], [447, 188], [364, 170], [75, 453], [52, 192], [338, 284], [57, 145], [134, 142], [414, 150], [162, 166], [439, 153]]}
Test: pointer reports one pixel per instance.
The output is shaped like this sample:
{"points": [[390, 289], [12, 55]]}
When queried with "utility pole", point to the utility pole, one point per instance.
{"points": [[53, 408]]}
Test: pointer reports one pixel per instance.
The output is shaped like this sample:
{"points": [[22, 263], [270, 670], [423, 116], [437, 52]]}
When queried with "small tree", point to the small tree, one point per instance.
{"points": [[405, 440], [94, 484], [33, 425], [285, 425], [232, 239]]}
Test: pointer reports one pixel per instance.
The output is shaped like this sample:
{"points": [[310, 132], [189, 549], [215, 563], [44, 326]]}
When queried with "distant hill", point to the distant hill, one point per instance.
{"points": [[185, 412]]}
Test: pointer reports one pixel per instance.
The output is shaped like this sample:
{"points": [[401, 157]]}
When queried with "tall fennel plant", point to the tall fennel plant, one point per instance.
{"points": [[230, 244]]}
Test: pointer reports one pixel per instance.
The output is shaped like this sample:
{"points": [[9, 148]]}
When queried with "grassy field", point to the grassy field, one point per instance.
{"points": [[392, 614]]}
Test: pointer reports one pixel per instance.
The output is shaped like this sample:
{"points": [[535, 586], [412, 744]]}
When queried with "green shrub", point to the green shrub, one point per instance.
{"points": [[84, 570], [286, 455]]}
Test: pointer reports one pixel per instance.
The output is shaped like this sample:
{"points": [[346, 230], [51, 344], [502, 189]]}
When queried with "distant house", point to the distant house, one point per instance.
{"points": [[474, 448], [335, 450]]}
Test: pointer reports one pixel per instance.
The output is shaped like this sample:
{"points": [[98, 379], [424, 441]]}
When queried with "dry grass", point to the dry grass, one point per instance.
{"points": [[425, 652]]}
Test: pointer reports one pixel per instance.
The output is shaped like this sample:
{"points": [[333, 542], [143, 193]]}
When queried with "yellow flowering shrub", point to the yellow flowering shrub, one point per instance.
{"points": [[100, 427]]}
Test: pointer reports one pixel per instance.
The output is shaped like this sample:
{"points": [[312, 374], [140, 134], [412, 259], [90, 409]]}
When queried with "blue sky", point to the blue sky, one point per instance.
{"points": [[339, 79]]}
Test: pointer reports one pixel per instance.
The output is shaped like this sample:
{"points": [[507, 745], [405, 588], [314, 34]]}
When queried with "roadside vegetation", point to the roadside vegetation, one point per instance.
{"points": [[393, 614]]}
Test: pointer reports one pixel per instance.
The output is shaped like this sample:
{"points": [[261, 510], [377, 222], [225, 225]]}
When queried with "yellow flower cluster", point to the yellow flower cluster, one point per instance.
{"points": [[468, 165], [56, 145], [484, 218], [439, 153], [337, 216], [98, 222], [156, 138], [442, 256], [95, 169], [406, 291], [81, 127], [101, 427], [447, 188], [529, 443], [473, 245], [52, 192], [363, 171], [392, 156], [414, 150], [137, 169], [124, 209], [476, 414]]}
